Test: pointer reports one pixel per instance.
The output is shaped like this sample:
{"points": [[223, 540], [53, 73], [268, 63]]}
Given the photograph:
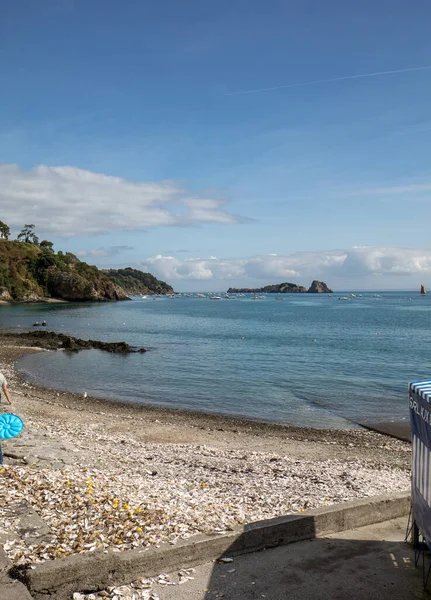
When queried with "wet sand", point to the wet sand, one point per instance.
{"points": [[399, 431]]}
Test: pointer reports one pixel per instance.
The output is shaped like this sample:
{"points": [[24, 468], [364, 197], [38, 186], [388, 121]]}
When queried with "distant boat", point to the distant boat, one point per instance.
{"points": [[215, 297], [423, 290], [144, 297]]}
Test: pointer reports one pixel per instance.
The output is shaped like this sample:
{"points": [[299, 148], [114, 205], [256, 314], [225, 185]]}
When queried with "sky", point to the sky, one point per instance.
{"points": [[232, 143]]}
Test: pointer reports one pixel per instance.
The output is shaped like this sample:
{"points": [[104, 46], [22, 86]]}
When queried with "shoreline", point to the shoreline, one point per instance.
{"points": [[195, 420], [38, 301], [398, 430], [162, 475]]}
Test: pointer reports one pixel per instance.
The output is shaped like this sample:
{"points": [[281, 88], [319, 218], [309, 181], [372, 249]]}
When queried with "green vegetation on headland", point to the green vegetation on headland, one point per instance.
{"points": [[136, 282], [317, 287], [31, 271]]}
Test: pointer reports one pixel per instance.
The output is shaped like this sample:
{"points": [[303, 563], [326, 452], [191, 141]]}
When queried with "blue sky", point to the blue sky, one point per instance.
{"points": [[134, 133]]}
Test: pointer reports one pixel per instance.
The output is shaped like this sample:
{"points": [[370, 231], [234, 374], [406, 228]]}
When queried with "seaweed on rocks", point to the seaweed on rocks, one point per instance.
{"points": [[51, 340]]}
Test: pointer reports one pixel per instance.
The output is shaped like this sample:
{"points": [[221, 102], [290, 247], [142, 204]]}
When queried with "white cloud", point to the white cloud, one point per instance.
{"points": [[257, 267], [358, 264], [387, 261], [70, 201], [173, 269]]}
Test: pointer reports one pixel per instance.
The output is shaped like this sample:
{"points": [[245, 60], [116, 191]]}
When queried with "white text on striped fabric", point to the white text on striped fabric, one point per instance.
{"points": [[424, 413]]}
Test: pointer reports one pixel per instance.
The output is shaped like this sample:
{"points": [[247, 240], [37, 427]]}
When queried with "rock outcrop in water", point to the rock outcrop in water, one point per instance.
{"points": [[316, 287], [50, 340], [319, 287]]}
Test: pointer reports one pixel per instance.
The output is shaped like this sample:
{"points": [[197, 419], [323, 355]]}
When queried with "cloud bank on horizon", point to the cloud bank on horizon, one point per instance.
{"points": [[357, 263], [69, 201]]}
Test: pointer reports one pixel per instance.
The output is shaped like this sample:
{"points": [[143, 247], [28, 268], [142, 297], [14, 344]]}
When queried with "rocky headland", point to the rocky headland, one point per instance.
{"points": [[133, 281], [33, 272]]}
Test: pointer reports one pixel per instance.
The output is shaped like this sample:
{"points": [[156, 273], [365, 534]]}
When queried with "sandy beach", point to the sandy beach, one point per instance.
{"points": [[110, 475]]}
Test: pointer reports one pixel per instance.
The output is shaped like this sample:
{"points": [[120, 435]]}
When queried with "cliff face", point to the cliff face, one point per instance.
{"points": [[72, 286], [284, 288], [133, 281], [319, 287], [29, 273]]}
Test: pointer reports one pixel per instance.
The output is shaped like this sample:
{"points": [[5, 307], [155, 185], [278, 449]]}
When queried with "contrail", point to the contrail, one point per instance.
{"points": [[332, 80]]}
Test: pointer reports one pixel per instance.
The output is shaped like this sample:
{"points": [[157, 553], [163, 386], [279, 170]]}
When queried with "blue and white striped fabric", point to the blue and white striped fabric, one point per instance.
{"points": [[421, 459], [420, 418], [421, 469], [422, 389]]}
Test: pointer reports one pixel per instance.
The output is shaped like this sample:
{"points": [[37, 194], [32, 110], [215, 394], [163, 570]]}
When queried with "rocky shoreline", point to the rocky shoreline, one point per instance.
{"points": [[104, 475], [51, 340]]}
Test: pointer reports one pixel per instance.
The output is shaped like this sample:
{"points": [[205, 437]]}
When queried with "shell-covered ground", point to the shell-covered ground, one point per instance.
{"points": [[149, 493]]}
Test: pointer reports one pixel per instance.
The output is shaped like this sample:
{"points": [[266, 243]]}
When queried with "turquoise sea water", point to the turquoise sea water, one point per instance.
{"points": [[309, 360]]}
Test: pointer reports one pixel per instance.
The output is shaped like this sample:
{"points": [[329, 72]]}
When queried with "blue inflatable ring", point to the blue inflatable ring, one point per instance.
{"points": [[10, 426]]}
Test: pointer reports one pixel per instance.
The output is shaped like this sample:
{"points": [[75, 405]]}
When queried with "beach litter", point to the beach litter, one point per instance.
{"points": [[141, 589], [225, 560]]}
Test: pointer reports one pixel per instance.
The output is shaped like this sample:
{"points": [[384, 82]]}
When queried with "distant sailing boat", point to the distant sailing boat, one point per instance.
{"points": [[423, 290]]}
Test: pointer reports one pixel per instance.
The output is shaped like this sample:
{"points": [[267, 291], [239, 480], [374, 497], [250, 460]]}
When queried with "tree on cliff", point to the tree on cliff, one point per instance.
{"points": [[4, 231], [27, 234], [46, 245]]}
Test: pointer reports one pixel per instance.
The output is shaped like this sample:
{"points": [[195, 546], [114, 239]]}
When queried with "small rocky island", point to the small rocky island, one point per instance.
{"points": [[316, 287]]}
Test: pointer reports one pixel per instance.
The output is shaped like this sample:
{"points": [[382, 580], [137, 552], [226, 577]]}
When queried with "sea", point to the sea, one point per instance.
{"points": [[305, 360]]}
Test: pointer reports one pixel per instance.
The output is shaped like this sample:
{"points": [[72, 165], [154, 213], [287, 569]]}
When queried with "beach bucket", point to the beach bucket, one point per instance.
{"points": [[10, 426]]}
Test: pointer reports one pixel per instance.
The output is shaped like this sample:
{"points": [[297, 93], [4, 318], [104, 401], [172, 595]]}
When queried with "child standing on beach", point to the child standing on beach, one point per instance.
{"points": [[3, 385]]}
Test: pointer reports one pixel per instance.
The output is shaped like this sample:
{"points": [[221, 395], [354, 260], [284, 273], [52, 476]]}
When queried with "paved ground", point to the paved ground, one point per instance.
{"points": [[367, 563], [10, 589]]}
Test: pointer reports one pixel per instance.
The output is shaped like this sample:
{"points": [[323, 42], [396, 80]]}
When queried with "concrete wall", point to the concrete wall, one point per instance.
{"points": [[97, 570]]}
